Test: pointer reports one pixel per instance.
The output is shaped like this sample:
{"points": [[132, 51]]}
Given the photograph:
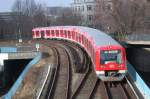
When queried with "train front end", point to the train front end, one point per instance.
{"points": [[111, 63]]}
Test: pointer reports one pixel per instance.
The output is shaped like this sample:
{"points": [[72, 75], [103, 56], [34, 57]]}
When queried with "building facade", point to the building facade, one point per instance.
{"points": [[86, 8]]}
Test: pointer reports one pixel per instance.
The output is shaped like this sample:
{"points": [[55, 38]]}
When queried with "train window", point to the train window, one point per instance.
{"points": [[108, 56], [61, 33], [52, 32], [42, 33], [37, 33], [33, 34], [57, 33], [47, 32]]}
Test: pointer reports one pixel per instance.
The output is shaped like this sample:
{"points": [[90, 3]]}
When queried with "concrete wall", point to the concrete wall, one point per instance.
{"points": [[140, 58]]}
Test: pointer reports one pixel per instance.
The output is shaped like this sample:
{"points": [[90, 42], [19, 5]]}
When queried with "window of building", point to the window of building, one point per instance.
{"points": [[82, 8], [90, 17], [89, 7], [109, 6], [79, 8], [76, 9]]}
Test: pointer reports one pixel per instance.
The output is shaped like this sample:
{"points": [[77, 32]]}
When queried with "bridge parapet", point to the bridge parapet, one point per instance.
{"points": [[23, 55]]}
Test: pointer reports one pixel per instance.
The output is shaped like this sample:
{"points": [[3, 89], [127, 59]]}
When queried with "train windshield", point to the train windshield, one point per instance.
{"points": [[111, 56]]}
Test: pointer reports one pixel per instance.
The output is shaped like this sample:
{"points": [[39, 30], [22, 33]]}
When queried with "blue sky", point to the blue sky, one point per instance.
{"points": [[6, 5]]}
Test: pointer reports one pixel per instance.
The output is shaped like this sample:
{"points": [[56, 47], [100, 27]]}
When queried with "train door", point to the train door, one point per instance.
{"points": [[65, 34], [79, 38], [85, 42], [61, 33], [69, 34], [87, 45], [36, 34], [90, 48], [82, 40], [52, 33], [42, 34], [73, 35], [33, 34], [47, 33]]}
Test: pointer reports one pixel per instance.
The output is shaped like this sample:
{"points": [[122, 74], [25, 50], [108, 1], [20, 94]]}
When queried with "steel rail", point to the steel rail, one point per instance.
{"points": [[68, 78], [117, 89], [49, 81], [42, 88], [83, 77], [93, 89], [104, 91], [123, 91], [50, 90], [61, 72], [137, 97], [86, 85]]}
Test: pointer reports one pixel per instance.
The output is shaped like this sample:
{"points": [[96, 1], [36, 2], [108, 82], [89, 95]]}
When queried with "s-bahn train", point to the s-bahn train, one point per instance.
{"points": [[107, 55]]}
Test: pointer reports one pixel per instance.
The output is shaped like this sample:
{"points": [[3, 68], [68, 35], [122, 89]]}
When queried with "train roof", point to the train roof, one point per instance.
{"points": [[100, 38]]}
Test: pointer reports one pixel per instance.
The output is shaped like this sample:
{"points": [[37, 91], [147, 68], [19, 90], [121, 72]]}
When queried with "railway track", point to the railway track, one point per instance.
{"points": [[88, 85], [85, 84], [109, 90], [99, 91], [115, 92], [61, 85], [53, 76], [48, 86]]}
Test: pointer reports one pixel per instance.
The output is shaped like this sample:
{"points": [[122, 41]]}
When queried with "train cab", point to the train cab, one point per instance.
{"points": [[111, 65]]}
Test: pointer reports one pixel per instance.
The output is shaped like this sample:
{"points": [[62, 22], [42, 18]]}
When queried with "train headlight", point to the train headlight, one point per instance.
{"points": [[102, 66], [119, 66], [111, 66]]}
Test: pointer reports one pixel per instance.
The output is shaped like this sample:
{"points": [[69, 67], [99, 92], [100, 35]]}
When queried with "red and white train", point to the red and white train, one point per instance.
{"points": [[107, 55]]}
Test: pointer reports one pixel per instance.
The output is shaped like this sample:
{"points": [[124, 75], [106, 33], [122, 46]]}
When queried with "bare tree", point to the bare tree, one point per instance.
{"points": [[40, 17], [67, 17], [121, 16], [2, 27], [28, 15]]}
